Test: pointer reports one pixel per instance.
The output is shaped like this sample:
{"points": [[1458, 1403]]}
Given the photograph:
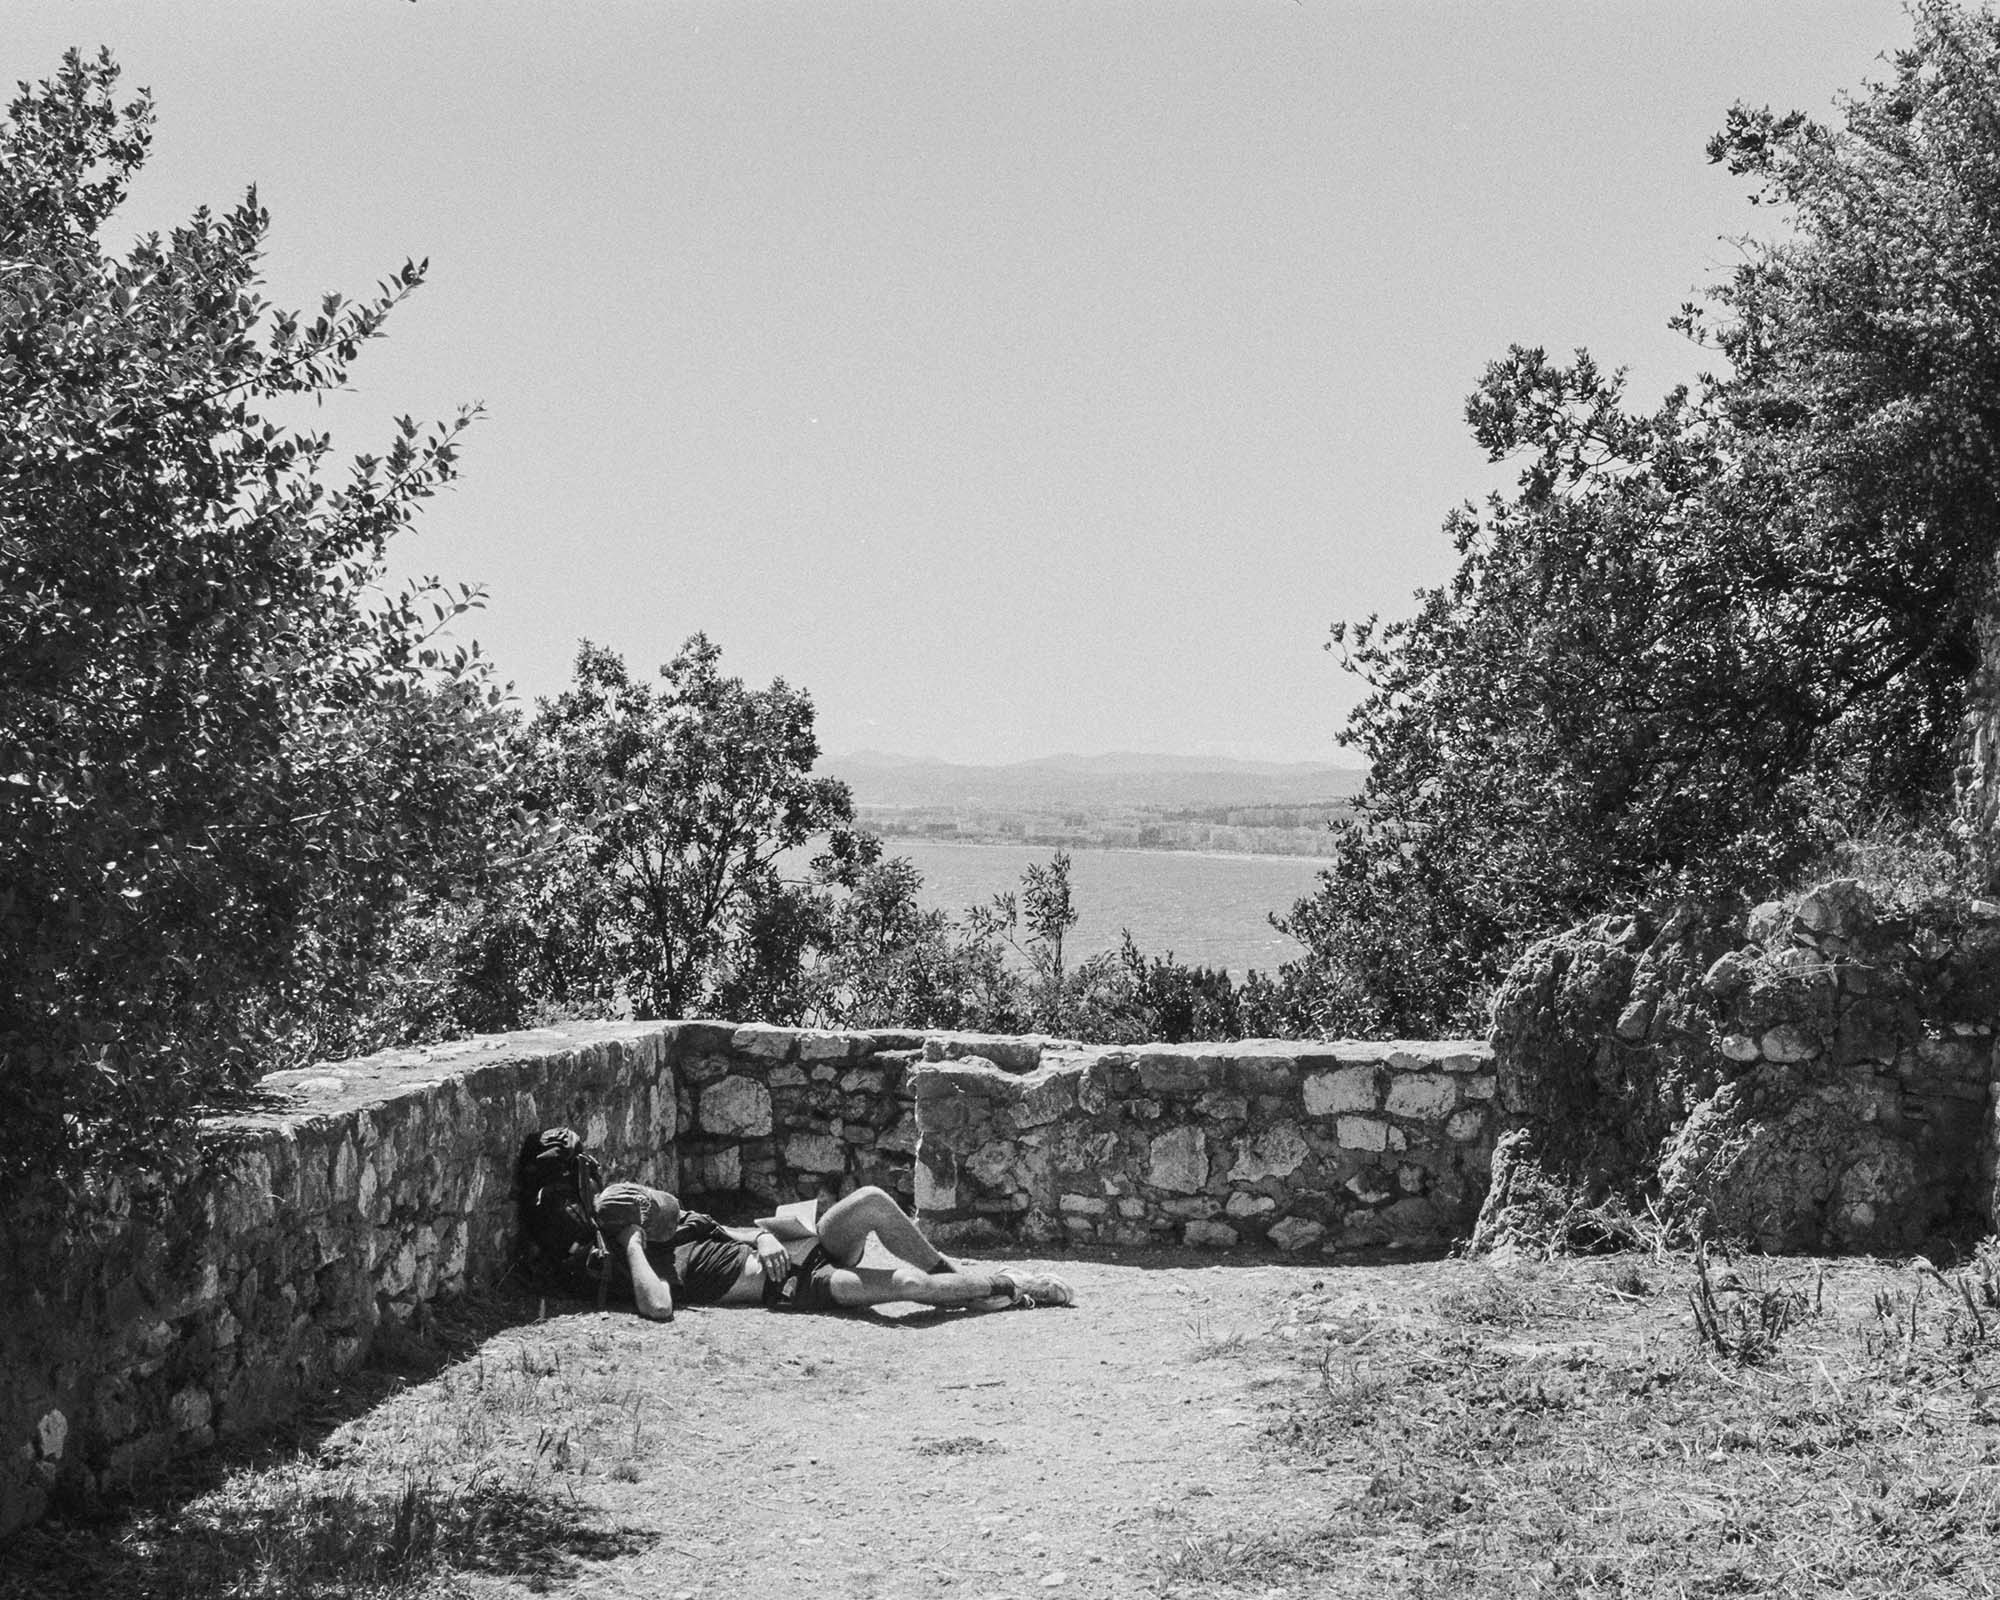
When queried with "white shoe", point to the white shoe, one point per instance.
{"points": [[1030, 1290]]}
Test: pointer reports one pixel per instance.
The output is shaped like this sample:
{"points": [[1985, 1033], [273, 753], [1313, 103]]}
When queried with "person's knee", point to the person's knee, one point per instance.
{"points": [[874, 1198]]}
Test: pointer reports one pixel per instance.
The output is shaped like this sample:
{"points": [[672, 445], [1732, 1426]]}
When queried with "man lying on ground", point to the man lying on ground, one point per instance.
{"points": [[680, 1256]]}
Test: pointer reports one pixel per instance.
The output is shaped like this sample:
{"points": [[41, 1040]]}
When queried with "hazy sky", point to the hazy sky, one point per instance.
{"points": [[1017, 378]]}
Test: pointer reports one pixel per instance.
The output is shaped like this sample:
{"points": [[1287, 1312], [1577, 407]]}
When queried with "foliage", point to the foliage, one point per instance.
{"points": [[676, 807], [227, 759], [891, 963], [1696, 641]]}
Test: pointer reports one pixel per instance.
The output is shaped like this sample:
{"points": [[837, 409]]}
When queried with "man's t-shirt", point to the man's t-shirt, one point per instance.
{"points": [[701, 1262]]}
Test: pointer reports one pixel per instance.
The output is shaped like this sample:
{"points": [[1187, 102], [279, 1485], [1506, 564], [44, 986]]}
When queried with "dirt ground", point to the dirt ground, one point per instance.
{"points": [[1045, 1452]]}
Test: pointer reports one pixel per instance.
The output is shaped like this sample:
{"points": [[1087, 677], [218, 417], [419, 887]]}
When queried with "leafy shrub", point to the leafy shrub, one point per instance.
{"points": [[228, 760]]}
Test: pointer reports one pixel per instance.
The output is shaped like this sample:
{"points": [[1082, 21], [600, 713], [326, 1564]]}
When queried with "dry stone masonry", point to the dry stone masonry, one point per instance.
{"points": [[142, 1325], [1297, 1147], [147, 1324]]}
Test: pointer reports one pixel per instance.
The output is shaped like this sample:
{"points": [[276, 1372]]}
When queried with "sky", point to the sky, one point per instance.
{"points": [[1016, 378]]}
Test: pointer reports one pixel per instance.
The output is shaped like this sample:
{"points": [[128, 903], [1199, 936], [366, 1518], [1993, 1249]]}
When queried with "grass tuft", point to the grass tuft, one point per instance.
{"points": [[1670, 1425], [417, 1491]]}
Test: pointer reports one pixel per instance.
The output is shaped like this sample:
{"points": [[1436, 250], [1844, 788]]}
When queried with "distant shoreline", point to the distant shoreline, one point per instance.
{"points": [[1039, 846]]}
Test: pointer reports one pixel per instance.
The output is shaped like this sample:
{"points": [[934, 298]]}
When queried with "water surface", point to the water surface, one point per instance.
{"points": [[1209, 910]]}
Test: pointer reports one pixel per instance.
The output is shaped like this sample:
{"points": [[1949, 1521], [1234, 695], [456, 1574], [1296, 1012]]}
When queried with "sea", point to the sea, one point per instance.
{"points": [[1206, 909]]}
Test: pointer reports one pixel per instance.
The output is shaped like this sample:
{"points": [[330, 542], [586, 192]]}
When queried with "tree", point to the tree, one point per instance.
{"points": [[227, 758], [679, 805], [891, 963], [1044, 904], [1696, 643]]}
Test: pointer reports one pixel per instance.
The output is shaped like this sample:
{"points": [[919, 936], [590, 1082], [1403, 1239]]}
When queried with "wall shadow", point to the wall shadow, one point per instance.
{"points": [[191, 1529]]}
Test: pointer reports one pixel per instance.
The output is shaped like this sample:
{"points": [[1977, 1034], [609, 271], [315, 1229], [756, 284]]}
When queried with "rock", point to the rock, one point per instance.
{"points": [[1421, 1095], [1348, 1089], [816, 1152], [1210, 1235], [52, 1435], [735, 1105], [1816, 1174], [762, 1040], [1275, 1153], [1787, 1043], [1292, 1234], [1362, 1133], [1178, 1161]]}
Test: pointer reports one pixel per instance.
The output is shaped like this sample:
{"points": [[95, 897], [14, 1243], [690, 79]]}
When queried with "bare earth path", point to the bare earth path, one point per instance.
{"points": [[1029, 1453]]}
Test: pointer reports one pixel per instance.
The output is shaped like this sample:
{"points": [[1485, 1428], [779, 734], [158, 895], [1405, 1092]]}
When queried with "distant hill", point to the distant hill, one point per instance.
{"points": [[1091, 783]]}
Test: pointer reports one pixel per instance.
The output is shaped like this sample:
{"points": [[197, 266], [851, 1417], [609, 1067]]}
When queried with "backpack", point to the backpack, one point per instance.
{"points": [[555, 1185]]}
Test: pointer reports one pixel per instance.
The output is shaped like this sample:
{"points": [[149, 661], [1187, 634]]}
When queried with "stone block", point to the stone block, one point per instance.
{"points": [[1178, 1161], [1210, 1235], [1739, 1047], [1084, 1205], [996, 1165], [1174, 1072], [1292, 1234], [816, 1152], [735, 1106], [1045, 1096], [1275, 1153], [707, 1067], [1421, 1095], [815, 1045], [714, 1171], [1362, 1133], [935, 1191], [1371, 1187], [995, 1050], [1413, 1221], [1245, 1204], [1346, 1089], [1219, 1105], [763, 1041]]}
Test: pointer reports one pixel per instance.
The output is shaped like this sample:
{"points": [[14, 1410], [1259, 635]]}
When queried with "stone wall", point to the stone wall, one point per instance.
{"points": [[1333, 1147], [771, 1114], [146, 1324]]}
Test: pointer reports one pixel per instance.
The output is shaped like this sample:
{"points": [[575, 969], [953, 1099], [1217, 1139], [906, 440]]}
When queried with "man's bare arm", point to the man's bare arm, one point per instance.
{"points": [[649, 1290]]}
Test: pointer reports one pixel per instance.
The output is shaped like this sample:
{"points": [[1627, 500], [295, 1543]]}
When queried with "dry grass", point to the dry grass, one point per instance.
{"points": [[399, 1491], [1648, 1426]]}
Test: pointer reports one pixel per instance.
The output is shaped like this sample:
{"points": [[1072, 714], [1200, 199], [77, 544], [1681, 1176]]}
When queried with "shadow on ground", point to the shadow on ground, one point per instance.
{"points": [[277, 1518]]}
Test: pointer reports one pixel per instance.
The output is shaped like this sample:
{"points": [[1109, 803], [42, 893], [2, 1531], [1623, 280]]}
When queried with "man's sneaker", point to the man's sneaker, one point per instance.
{"points": [[1031, 1290]]}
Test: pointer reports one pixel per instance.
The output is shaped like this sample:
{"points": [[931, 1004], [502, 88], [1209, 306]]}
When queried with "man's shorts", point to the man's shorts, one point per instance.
{"points": [[809, 1287]]}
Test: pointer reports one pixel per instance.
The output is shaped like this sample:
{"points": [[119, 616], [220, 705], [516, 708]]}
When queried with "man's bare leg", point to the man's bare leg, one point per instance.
{"points": [[845, 1225], [854, 1287]]}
